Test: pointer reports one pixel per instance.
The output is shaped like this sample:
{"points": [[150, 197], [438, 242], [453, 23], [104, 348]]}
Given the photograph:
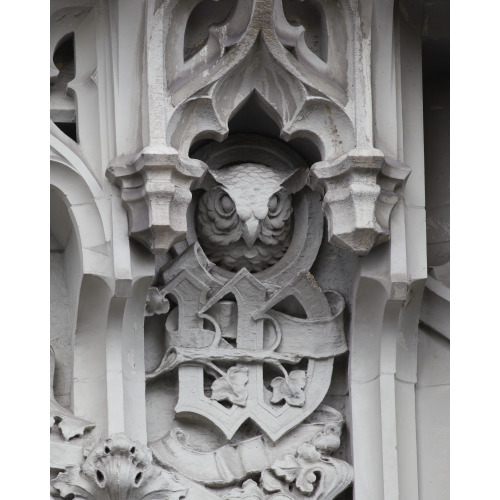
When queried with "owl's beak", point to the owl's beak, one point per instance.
{"points": [[250, 231]]}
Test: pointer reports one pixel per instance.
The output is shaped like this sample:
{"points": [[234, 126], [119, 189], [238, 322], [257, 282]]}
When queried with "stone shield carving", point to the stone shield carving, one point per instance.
{"points": [[252, 345]]}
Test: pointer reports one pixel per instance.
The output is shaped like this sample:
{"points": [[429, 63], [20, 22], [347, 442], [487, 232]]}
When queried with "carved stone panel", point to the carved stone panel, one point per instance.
{"points": [[249, 332], [239, 261], [255, 53]]}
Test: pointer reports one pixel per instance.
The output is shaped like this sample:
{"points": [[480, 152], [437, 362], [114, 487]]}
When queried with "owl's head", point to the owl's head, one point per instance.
{"points": [[255, 196], [244, 216]]}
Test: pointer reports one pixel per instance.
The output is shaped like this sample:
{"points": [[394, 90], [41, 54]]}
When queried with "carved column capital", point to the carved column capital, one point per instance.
{"points": [[360, 190]]}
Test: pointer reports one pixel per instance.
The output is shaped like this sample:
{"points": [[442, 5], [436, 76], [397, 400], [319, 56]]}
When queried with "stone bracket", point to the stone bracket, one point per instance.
{"points": [[155, 189], [360, 191]]}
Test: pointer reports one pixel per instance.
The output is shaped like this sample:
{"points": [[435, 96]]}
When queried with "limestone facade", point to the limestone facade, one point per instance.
{"points": [[243, 301]]}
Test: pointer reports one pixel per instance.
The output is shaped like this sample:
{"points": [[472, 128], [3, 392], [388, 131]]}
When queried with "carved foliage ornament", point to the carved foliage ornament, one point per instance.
{"points": [[251, 334], [229, 331], [299, 466], [119, 469], [257, 52]]}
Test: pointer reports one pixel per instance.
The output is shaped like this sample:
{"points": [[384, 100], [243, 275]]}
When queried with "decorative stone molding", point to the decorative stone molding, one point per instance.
{"points": [[234, 463], [308, 472], [310, 95], [236, 142], [119, 468], [155, 192], [75, 100]]}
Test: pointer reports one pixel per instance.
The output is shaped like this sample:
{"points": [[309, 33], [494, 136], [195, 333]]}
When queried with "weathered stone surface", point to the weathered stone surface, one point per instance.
{"points": [[238, 254]]}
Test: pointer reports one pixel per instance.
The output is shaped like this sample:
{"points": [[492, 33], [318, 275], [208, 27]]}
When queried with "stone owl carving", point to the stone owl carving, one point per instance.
{"points": [[246, 218]]}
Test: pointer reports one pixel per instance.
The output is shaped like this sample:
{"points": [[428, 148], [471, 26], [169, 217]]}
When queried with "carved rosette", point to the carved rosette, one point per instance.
{"points": [[312, 96], [119, 469]]}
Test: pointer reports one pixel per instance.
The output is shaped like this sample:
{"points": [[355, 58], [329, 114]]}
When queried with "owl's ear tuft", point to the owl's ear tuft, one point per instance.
{"points": [[207, 182], [296, 180]]}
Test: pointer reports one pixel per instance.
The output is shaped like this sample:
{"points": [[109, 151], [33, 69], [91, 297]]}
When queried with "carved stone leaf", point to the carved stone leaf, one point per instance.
{"points": [[310, 458], [69, 425], [306, 479], [290, 390], [269, 483], [308, 453], [231, 387], [300, 469], [304, 470], [288, 468], [249, 491], [156, 303]]}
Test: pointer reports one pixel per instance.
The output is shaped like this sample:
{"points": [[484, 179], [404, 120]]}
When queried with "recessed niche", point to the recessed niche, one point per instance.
{"points": [[309, 15], [255, 116], [62, 103], [206, 14]]}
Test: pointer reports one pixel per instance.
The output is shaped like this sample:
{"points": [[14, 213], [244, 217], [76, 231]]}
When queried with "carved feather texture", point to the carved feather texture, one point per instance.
{"points": [[246, 220]]}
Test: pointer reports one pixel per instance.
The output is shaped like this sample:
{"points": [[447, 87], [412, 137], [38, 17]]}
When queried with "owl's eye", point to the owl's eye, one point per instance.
{"points": [[275, 204], [224, 205]]}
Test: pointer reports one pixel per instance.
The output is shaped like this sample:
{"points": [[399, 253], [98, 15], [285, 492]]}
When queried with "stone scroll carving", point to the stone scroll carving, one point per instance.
{"points": [[249, 332], [256, 52], [284, 468], [236, 217]]}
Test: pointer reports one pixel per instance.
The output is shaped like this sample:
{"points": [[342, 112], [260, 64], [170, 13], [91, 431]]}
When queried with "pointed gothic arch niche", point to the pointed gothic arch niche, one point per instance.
{"points": [[255, 115]]}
